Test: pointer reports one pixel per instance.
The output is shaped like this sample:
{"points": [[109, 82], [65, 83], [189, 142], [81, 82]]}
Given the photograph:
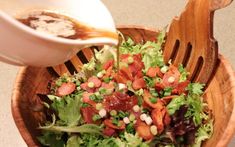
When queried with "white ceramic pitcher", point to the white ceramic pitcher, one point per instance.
{"points": [[21, 45]]}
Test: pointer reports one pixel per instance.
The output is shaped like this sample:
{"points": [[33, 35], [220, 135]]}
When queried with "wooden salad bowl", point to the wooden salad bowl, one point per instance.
{"points": [[183, 44]]}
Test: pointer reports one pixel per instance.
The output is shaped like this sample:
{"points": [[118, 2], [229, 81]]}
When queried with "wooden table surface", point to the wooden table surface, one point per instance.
{"points": [[150, 13]]}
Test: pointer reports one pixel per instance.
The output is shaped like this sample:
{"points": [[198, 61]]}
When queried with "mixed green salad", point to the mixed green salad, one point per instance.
{"points": [[145, 102]]}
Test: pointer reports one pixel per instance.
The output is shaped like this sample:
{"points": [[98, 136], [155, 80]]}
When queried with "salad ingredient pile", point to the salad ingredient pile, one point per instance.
{"points": [[139, 103]]}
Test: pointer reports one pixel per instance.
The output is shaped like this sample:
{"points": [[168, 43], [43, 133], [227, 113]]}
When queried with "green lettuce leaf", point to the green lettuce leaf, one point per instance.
{"points": [[195, 88], [94, 140], [105, 54], [86, 128], [151, 51], [74, 141], [68, 110], [51, 139], [175, 104], [133, 140], [129, 47], [183, 73], [203, 133], [195, 108]]}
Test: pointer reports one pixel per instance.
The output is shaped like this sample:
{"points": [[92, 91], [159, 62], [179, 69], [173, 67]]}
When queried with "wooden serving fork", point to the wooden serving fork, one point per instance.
{"points": [[189, 41]]}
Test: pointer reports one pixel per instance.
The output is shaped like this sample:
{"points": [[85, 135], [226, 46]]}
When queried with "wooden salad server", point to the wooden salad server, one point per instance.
{"points": [[189, 41]]}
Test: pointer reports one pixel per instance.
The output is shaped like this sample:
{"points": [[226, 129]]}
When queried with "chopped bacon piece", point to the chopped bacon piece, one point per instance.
{"points": [[108, 72], [87, 114], [109, 131], [66, 89], [157, 118], [108, 123], [143, 131], [139, 74], [119, 101], [108, 64], [138, 84], [124, 57], [167, 118], [119, 79], [160, 118], [126, 73], [86, 99], [181, 87], [158, 105], [159, 86], [154, 71], [151, 72], [137, 64]]}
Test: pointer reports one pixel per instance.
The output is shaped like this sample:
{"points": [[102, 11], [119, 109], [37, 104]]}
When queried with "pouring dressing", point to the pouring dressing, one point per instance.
{"points": [[62, 28]]}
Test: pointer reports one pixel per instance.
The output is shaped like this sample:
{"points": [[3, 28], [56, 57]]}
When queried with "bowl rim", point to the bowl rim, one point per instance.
{"points": [[29, 140]]}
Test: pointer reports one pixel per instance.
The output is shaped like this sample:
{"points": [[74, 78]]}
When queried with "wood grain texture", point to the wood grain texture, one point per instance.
{"points": [[218, 4], [220, 95], [190, 39]]}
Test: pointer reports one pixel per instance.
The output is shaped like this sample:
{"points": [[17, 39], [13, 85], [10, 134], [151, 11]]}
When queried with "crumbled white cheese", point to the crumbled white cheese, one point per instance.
{"points": [[148, 120], [102, 113], [136, 108], [143, 117], [126, 120]]}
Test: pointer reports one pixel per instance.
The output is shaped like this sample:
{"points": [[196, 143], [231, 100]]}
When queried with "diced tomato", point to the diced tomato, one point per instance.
{"points": [[137, 57], [181, 87], [138, 84], [108, 123], [108, 64], [123, 57], [139, 74], [109, 131], [154, 71], [86, 99], [172, 72], [159, 86], [136, 66], [119, 101], [144, 132], [108, 72], [66, 89], [119, 79], [159, 73], [151, 72], [126, 73], [157, 118], [158, 105], [88, 113], [95, 80], [167, 118]]}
